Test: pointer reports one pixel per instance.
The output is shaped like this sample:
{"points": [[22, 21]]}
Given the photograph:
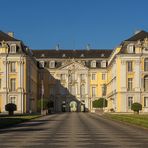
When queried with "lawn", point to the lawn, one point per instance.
{"points": [[7, 121], [140, 120]]}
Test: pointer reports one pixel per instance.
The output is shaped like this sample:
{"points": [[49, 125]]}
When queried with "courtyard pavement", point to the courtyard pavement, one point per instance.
{"points": [[73, 130]]}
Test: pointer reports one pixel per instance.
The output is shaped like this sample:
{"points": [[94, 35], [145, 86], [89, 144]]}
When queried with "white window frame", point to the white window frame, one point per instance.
{"points": [[129, 66], [130, 101], [52, 64], [12, 84], [93, 91], [12, 99], [130, 48], [13, 48], [42, 64], [103, 64], [130, 84], [145, 102], [93, 64], [93, 76], [12, 69]]}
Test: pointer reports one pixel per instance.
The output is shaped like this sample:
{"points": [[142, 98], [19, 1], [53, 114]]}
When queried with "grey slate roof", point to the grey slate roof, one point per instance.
{"points": [[93, 53], [6, 37], [139, 36]]}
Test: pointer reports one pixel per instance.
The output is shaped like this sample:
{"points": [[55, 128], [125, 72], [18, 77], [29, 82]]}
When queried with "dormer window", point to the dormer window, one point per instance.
{"points": [[13, 48], [103, 64], [52, 64], [64, 55], [82, 55], [93, 64], [42, 55], [102, 55], [131, 48], [42, 64]]}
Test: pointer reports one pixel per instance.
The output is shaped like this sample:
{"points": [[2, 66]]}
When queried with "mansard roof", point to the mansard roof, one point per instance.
{"points": [[138, 36], [6, 37], [92, 53]]}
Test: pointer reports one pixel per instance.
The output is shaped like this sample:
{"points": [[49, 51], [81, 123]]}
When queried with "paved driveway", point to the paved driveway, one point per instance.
{"points": [[73, 130]]}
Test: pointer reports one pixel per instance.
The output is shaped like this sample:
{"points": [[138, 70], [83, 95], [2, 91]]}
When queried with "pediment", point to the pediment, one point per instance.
{"points": [[74, 66]]}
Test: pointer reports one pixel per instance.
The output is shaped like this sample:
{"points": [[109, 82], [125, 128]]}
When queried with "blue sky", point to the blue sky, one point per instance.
{"points": [[42, 24]]}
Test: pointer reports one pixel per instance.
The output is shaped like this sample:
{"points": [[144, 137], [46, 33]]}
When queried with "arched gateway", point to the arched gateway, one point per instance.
{"points": [[73, 106]]}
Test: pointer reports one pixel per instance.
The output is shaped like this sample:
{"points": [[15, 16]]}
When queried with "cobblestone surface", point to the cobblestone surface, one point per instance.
{"points": [[73, 130]]}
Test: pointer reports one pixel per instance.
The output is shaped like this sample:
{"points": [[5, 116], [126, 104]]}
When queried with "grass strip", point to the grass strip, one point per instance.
{"points": [[9, 121], [140, 120]]}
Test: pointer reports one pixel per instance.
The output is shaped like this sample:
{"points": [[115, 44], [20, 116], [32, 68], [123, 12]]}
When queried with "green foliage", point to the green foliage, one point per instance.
{"points": [[10, 107], [136, 107], [100, 103], [46, 104]]}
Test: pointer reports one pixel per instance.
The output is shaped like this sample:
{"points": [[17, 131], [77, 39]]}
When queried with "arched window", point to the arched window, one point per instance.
{"points": [[146, 64], [146, 83]]}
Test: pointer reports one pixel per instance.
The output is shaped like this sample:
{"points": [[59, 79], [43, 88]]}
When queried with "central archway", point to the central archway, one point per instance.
{"points": [[73, 106]]}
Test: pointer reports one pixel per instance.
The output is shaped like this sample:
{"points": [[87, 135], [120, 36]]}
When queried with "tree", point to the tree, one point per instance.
{"points": [[10, 107], [136, 107], [45, 103], [100, 103]]}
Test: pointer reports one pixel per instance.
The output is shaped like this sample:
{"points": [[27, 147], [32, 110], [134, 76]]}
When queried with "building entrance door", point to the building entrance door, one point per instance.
{"points": [[73, 106]]}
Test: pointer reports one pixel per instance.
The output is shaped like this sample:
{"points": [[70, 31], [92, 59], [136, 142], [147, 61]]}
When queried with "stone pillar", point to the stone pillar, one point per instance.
{"points": [[123, 76], [137, 77]]}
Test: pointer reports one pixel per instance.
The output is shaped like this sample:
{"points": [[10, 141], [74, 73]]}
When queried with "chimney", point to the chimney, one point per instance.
{"points": [[11, 34], [88, 47]]}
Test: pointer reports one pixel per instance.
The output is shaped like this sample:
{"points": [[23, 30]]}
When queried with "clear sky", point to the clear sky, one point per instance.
{"points": [[42, 24]]}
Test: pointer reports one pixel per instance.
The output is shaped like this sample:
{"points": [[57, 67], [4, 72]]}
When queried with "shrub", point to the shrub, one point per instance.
{"points": [[10, 107], [100, 103], [136, 107]]}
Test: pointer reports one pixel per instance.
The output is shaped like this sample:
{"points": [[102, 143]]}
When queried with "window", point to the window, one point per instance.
{"points": [[146, 83], [130, 84], [93, 91], [62, 77], [82, 77], [42, 64], [103, 76], [145, 101], [131, 48], [0, 83], [12, 67], [52, 64], [93, 64], [129, 66], [93, 76], [130, 102], [104, 90], [82, 90], [13, 48], [12, 84], [103, 64], [12, 100], [146, 64]]}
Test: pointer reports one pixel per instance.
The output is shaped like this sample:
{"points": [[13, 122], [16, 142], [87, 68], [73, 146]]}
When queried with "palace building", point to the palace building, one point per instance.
{"points": [[73, 79]]}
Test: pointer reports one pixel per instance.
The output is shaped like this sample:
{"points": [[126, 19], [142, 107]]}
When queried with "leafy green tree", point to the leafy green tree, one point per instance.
{"points": [[100, 103], [136, 107], [10, 107], [45, 103]]}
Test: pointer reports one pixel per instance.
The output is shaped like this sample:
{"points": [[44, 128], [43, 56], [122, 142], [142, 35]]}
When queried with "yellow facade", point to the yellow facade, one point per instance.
{"points": [[114, 76]]}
